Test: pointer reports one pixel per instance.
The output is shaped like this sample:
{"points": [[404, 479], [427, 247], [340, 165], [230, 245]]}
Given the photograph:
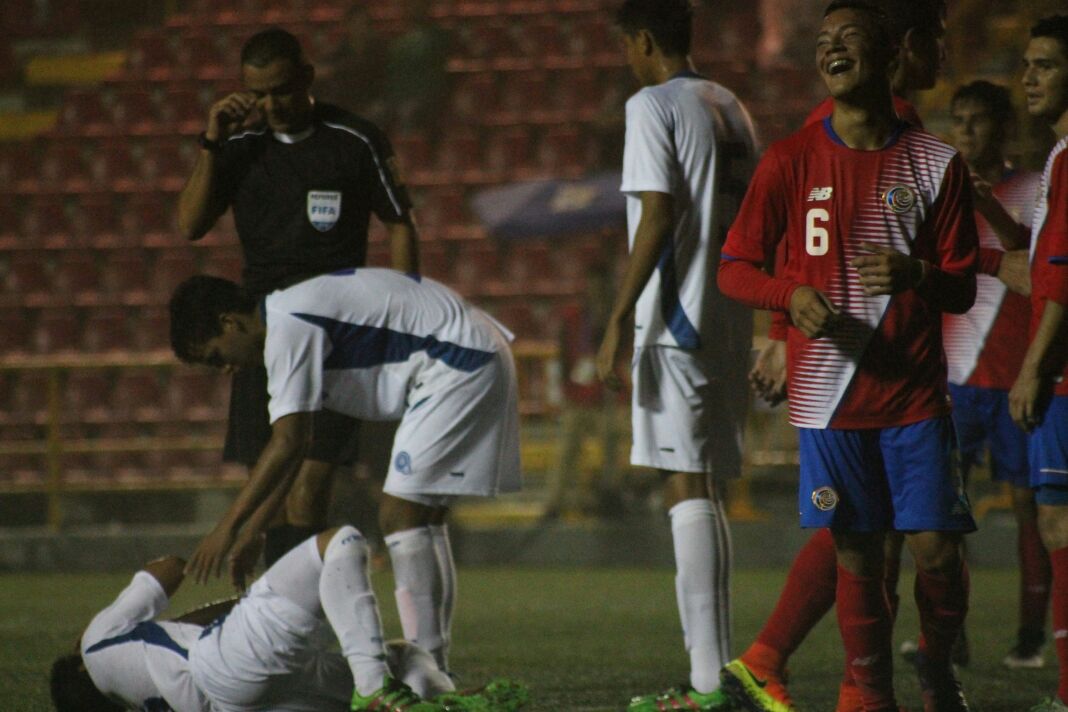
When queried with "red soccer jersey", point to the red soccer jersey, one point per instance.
{"points": [[986, 346], [906, 112], [883, 365], [1049, 243]]}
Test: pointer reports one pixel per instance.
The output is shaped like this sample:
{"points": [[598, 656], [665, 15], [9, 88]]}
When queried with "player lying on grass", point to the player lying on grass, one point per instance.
{"points": [[269, 651], [374, 344]]}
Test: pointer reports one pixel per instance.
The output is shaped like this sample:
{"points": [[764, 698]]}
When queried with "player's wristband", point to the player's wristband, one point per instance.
{"points": [[207, 144], [919, 273]]}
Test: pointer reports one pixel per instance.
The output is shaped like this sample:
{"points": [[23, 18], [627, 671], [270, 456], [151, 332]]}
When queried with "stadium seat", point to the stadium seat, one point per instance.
{"points": [[135, 112], [17, 166], [29, 397], [44, 221], [138, 396], [106, 329], [166, 163], [150, 328], [87, 395], [197, 394], [63, 168], [100, 220], [414, 154], [181, 111], [524, 98], [509, 154], [150, 217], [14, 331], [173, 266], [125, 275], [77, 276], [459, 156], [30, 275], [84, 113], [57, 330], [113, 168], [154, 57], [207, 56]]}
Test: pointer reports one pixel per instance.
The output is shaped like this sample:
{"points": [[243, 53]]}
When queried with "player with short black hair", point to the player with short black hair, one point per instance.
{"points": [[876, 219], [1038, 400], [689, 152]]}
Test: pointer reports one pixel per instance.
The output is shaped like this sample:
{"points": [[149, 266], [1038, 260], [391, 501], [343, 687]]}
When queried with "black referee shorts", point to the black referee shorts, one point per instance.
{"points": [[335, 438]]}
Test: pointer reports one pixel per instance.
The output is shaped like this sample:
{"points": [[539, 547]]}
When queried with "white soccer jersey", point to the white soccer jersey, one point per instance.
{"points": [[692, 139], [140, 662], [362, 341]]}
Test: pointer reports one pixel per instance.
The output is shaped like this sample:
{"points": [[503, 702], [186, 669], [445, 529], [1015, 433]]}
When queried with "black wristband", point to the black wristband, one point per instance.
{"points": [[207, 144]]}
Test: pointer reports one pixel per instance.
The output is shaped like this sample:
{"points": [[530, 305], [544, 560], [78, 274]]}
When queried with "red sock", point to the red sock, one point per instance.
{"points": [[864, 620], [806, 597], [943, 602], [1035, 577], [1059, 561]]}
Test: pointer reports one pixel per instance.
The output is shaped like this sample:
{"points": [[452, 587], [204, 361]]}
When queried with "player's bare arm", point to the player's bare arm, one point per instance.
{"points": [[269, 482], [404, 246], [768, 375], [1043, 362], [169, 571], [654, 232], [1011, 234], [198, 206], [1015, 272], [812, 312]]}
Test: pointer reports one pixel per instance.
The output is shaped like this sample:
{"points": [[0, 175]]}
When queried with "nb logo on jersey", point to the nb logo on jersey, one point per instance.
{"points": [[819, 194]]}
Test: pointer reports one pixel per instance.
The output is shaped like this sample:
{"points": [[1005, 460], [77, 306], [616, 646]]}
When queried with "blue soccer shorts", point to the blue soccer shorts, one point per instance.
{"points": [[1048, 453], [981, 416], [876, 479]]}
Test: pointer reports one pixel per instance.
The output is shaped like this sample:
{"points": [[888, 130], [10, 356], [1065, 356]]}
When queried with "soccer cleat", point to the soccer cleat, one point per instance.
{"points": [[939, 687], [498, 695], [393, 696], [1027, 653], [1050, 705], [752, 692], [682, 697]]}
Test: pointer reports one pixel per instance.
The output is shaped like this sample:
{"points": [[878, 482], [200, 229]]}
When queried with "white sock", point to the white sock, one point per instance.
{"points": [[349, 604], [447, 602], [702, 584], [418, 579]]}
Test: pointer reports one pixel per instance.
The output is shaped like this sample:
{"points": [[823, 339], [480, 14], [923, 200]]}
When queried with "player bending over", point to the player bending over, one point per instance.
{"points": [[876, 219], [379, 345], [269, 651]]}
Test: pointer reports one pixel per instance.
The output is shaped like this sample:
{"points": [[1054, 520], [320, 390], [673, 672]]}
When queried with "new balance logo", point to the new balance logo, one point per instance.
{"points": [[819, 194]]}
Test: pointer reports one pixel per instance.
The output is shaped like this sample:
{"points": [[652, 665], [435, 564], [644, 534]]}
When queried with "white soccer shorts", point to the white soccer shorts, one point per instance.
{"points": [[687, 411]]}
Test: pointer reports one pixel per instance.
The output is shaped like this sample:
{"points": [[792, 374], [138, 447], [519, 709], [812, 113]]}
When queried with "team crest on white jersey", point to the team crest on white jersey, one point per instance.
{"points": [[324, 208], [820, 194], [899, 198]]}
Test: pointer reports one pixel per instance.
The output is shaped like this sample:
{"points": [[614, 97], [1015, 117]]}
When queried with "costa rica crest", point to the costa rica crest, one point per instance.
{"points": [[899, 198]]}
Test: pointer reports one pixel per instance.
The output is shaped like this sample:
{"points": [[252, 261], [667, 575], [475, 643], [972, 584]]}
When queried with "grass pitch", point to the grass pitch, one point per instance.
{"points": [[583, 639]]}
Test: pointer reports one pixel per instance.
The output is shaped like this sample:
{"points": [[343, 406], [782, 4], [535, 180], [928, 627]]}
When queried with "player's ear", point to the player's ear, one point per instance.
{"points": [[646, 42]]}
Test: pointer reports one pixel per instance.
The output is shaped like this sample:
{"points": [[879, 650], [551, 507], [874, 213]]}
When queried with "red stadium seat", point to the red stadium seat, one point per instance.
{"points": [[166, 164], [113, 168], [106, 329], [100, 220], [87, 395], [18, 169], [57, 330], [29, 397], [83, 113], [30, 275], [149, 219], [44, 221], [509, 153], [62, 168], [459, 155], [77, 276], [138, 396], [125, 275], [135, 112], [15, 331], [150, 328], [197, 394], [207, 56], [181, 111], [153, 56], [173, 266]]}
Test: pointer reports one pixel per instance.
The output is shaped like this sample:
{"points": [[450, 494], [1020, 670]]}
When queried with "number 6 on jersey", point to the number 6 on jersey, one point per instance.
{"points": [[817, 239]]}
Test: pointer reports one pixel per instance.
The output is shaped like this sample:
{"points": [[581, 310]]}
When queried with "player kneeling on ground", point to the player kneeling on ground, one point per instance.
{"points": [[269, 651]]}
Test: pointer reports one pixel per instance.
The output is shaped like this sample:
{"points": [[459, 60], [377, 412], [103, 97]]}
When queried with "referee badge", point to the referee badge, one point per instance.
{"points": [[324, 208], [899, 198], [825, 499]]}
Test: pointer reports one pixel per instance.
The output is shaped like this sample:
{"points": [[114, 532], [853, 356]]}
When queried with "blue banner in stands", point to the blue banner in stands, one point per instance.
{"points": [[552, 208]]}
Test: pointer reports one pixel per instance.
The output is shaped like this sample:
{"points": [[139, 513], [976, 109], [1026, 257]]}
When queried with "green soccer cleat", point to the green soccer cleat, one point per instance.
{"points": [[682, 697], [498, 695], [393, 696], [1050, 705], [750, 692]]}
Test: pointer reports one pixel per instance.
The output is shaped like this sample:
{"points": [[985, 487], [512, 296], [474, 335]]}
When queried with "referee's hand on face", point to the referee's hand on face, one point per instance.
{"points": [[229, 114]]}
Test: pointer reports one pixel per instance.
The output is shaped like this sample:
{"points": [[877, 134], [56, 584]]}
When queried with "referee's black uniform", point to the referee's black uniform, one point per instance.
{"points": [[302, 205]]}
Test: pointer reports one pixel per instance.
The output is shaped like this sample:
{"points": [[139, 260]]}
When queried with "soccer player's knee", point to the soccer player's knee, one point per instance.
{"points": [[1053, 524], [73, 690], [936, 552], [343, 541]]}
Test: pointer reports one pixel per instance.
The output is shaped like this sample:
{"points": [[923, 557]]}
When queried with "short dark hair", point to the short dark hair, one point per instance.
{"points": [[994, 97], [670, 22], [196, 308], [883, 24], [73, 690], [1055, 26], [273, 43]]}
